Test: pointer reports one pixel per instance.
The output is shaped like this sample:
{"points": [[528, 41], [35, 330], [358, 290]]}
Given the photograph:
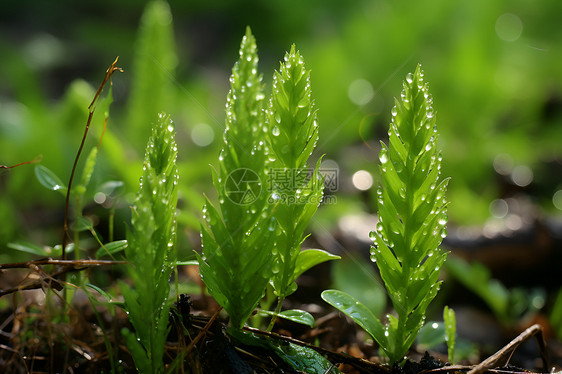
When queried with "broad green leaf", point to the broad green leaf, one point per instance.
{"points": [[295, 315], [49, 179], [309, 258], [357, 278], [299, 358], [450, 323], [111, 248], [358, 312]]}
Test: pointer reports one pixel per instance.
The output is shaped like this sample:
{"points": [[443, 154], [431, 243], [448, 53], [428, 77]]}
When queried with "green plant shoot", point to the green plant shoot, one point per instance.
{"points": [[450, 322], [150, 250], [293, 133], [412, 219], [155, 62], [236, 262]]}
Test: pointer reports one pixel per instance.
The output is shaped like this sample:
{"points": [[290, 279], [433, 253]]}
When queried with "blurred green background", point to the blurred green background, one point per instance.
{"points": [[493, 67]]}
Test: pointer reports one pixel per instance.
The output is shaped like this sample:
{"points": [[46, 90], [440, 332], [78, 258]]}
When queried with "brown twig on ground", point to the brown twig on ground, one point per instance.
{"points": [[508, 350], [64, 266], [202, 332]]}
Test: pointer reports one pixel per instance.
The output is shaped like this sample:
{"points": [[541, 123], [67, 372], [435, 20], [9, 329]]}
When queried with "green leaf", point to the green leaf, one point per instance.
{"points": [[450, 331], [431, 335], [358, 312], [109, 187], [111, 248], [309, 258], [100, 291], [189, 262], [357, 278], [294, 315], [33, 249], [299, 358], [82, 224], [89, 167], [476, 277], [49, 179]]}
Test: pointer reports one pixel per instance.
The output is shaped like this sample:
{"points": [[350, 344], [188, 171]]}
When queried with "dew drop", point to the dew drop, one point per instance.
{"points": [[394, 111], [275, 131], [383, 157], [410, 78]]}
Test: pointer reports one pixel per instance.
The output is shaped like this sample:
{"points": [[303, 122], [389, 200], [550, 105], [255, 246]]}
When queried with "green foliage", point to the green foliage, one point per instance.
{"points": [[49, 180], [235, 263], [508, 305], [155, 61], [150, 250], [294, 315], [412, 219], [299, 358], [556, 315], [450, 322], [357, 278], [293, 133]]}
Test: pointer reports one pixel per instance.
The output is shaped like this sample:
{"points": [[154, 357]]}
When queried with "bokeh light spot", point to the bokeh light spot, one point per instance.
{"points": [[362, 180], [509, 27], [360, 92], [202, 134], [522, 175]]}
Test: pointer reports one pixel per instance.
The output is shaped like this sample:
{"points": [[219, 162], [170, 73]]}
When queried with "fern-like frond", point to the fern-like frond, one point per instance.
{"points": [[151, 241], [297, 191], [412, 214], [235, 263]]}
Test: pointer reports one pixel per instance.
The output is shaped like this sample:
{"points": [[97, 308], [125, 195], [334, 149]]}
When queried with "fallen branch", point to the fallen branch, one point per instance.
{"points": [[64, 266]]}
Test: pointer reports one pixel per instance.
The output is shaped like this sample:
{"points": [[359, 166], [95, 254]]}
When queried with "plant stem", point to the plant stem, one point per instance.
{"points": [[277, 311]]}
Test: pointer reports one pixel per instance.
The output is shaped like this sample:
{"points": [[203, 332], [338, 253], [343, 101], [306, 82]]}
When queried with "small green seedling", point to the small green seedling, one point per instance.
{"points": [[412, 219], [150, 251], [450, 322]]}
